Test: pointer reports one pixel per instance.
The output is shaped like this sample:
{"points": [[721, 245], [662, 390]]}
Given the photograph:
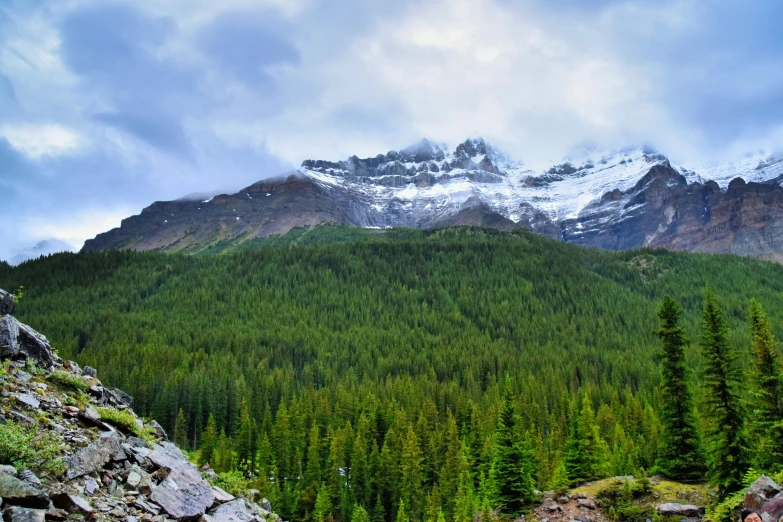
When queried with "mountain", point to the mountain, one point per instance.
{"points": [[42, 248], [616, 200]]}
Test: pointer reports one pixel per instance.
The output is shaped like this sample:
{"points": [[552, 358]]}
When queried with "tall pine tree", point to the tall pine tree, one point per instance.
{"points": [[726, 450], [180, 429], [209, 441], [512, 468], [679, 452], [767, 397], [411, 476], [586, 453]]}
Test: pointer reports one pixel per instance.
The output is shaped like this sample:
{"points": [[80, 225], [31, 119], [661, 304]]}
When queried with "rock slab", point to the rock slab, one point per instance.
{"points": [[184, 493], [94, 456], [679, 510], [19, 493], [238, 510]]}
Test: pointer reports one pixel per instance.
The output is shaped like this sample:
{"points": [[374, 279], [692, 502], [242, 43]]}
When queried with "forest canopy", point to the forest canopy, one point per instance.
{"points": [[348, 370]]}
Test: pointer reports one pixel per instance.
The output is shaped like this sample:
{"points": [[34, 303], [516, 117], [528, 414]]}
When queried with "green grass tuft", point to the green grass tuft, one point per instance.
{"points": [[69, 379], [127, 420]]}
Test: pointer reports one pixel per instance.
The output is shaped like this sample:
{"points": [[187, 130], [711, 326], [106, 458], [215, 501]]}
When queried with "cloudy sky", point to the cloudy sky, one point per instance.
{"points": [[106, 106]]}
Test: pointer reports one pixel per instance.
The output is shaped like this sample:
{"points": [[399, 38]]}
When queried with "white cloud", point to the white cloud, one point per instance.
{"points": [[458, 68], [77, 228], [41, 141]]}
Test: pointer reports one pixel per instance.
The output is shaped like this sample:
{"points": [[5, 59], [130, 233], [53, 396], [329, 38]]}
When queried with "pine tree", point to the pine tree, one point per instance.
{"points": [[577, 468], [359, 515], [726, 450], [313, 469], [223, 454], [245, 440], [512, 468], [433, 505], [454, 464], [402, 515], [679, 452], [411, 475], [586, 452], [323, 505], [180, 430], [767, 401], [465, 500], [560, 481], [208, 441]]}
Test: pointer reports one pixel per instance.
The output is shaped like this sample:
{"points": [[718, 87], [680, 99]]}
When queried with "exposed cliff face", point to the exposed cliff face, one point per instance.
{"points": [[628, 199], [664, 210]]}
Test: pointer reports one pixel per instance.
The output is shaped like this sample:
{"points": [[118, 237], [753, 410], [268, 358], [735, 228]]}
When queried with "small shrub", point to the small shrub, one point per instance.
{"points": [[233, 482], [23, 447], [69, 379]]}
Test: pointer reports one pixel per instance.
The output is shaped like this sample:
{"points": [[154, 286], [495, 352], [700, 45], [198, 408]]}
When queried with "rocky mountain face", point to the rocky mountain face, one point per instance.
{"points": [[69, 446], [616, 200], [664, 210]]}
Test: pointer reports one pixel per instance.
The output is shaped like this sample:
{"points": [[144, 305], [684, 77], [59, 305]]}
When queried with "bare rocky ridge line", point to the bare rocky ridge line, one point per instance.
{"points": [[108, 473], [629, 199]]}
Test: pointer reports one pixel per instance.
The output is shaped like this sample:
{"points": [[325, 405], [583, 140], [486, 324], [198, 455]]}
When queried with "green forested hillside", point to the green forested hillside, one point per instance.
{"points": [[346, 367]]}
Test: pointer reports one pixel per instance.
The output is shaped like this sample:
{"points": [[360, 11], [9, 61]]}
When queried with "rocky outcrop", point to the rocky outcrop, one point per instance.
{"points": [[19, 341], [7, 303], [95, 468], [664, 210]]}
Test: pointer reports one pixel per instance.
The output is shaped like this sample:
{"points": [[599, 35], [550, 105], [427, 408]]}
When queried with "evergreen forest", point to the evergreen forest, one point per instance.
{"points": [[353, 374]]}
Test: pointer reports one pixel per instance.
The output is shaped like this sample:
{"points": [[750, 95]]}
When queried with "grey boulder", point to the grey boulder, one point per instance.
{"points": [[184, 493], [18, 340], [239, 510], [7, 303], [167, 455], [157, 430], [761, 492], [221, 495]]}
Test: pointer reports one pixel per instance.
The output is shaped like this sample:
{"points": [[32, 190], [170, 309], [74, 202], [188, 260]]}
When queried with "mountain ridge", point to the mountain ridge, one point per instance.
{"points": [[426, 185]]}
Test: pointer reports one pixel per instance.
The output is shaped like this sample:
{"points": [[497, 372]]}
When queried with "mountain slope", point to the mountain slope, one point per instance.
{"points": [[616, 200]]}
